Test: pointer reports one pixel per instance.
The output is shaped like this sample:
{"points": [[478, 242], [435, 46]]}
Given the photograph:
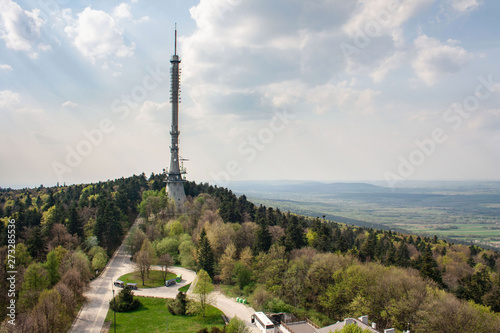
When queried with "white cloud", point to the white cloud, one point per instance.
{"points": [[44, 47], [489, 120], [97, 35], [329, 97], [69, 104], [122, 11], [5, 67], [464, 5], [46, 139], [28, 110], [19, 28], [382, 17], [390, 63], [142, 19], [8, 99], [435, 59], [154, 112]]}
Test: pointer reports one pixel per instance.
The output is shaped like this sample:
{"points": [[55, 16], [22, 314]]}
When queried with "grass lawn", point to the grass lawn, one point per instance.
{"points": [[152, 317], [185, 288], [155, 279]]}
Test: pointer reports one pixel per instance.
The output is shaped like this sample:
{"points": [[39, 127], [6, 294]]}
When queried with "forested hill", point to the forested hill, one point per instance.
{"points": [[283, 262]]}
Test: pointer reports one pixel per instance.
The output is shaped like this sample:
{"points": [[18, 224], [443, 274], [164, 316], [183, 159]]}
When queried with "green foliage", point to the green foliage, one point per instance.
{"points": [[52, 267], [75, 223], [23, 258], [236, 325], [428, 267], [124, 301], [186, 250], [36, 279], [134, 240], [264, 239], [179, 305], [99, 259], [202, 288], [152, 203], [205, 255], [176, 228], [242, 275], [168, 245], [108, 227]]}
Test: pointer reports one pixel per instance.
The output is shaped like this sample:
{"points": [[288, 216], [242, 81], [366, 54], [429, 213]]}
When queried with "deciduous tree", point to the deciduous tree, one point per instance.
{"points": [[202, 288], [226, 264], [165, 260]]}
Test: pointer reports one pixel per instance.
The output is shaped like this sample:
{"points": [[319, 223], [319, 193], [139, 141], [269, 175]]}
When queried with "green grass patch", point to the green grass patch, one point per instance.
{"points": [[185, 288], [155, 279], [153, 315]]}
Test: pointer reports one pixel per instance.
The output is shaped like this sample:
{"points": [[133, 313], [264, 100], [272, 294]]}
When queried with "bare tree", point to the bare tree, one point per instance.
{"points": [[164, 261], [143, 262]]}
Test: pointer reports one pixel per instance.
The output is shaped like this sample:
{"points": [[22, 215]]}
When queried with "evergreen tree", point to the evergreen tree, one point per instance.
{"points": [[205, 254], [428, 266], [390, 258], [264, 239], [475, 286], [108, 228], [403, 255], [369, 246], [75, 224], [178, 306], [294, 234]]}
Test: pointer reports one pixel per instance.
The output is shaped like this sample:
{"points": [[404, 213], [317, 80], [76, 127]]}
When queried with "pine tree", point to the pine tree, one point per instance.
{"points": [[108, 228], [428, 266], [403, 255], [205, 255], [294, 235], [264, 239], [369, 246], [75, 225]]}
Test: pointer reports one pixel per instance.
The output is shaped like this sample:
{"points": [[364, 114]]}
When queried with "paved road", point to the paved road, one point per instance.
{"points": [[92, 314]]}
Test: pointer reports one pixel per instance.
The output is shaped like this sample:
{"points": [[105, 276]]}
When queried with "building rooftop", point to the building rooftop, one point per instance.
{"points": [[361, 322], [301, 327]]}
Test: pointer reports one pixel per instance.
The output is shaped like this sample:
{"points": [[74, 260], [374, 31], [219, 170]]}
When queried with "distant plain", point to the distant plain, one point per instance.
{"points": [[466, 212]]}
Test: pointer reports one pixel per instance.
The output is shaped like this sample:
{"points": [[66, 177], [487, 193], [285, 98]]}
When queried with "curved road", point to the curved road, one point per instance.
{"points": [[93, 312]]}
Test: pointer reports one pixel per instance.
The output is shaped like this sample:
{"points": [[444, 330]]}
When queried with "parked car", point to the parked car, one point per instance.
{"points": [[170, 282], [119, 284]]}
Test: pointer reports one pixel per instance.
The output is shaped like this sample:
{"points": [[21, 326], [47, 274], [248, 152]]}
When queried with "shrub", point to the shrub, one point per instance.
{"points": [[124, 301], [178, 306]]}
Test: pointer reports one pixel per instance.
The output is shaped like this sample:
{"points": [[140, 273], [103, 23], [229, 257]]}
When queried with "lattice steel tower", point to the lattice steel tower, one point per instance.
{"points": [[175, 186]]}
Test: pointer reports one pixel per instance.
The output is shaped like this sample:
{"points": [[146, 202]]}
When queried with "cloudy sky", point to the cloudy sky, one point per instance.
{"points": [[310, 90]]}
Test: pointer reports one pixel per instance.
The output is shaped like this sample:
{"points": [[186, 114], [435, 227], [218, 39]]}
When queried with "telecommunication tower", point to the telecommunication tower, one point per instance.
{"points": [[175, 179]]}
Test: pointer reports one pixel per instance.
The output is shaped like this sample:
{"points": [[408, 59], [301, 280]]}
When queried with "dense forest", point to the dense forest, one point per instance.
{"points": [[314, 268], [63, 238]]}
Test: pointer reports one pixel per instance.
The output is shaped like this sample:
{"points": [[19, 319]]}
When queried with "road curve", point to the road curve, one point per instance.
{"points": [[92, 314]]}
